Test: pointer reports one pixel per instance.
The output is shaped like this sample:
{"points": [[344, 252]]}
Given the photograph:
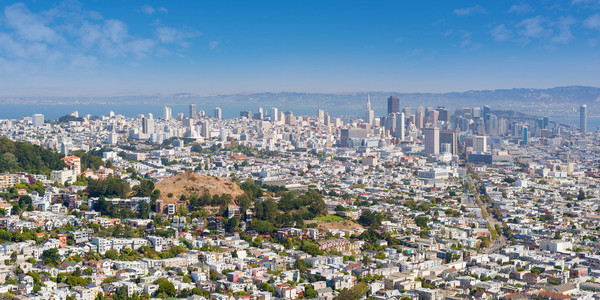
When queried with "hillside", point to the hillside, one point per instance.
{"points": [[25, 157], [190, 183], [348, 102]]}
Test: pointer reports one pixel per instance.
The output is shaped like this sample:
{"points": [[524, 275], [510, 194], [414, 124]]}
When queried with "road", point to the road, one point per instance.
{"points": [[476, 185]]}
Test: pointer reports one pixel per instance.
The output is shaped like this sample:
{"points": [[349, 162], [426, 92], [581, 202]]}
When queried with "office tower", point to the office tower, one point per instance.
{"points": [[326, 119], [476, 112], [201, 113], [320, 116], [245, 114], [369, 113], [480, 144], [167, 114], [486, 116], [407, 112], [217, 113], [432, 117], [351, 133], [111, 114], [443, 115], [274, 114], [525, 136], [583, 118], [261, 113], [205, 129], [545, 122], [419, 119], [192, 111], [432, 140], [289, 118], [147, 125], [400, 126], [448, 137], [393, 105], [493, 125], [75, 114], [390, 123], [38, 120]]}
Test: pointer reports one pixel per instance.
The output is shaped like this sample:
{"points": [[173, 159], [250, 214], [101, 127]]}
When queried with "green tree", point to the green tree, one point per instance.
{"points": [[51, 256]]}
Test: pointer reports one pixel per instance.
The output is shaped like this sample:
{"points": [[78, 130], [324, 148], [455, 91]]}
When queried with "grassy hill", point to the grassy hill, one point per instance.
{"points": [[189, 184]]}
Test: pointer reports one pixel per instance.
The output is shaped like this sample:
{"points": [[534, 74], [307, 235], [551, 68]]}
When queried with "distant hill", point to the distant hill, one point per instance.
{"points": [[189, 183], [25, 157], [350, 101]]}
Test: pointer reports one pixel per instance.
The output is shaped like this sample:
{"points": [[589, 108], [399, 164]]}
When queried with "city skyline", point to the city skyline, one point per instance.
{"points": [[87, 48]]}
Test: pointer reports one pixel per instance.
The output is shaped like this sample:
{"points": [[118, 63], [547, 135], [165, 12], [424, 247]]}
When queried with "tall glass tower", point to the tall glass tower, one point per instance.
{"points": [[583, 118]]}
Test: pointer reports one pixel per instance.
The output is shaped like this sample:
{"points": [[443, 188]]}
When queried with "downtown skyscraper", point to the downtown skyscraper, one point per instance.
{"points": [[583, 118]]}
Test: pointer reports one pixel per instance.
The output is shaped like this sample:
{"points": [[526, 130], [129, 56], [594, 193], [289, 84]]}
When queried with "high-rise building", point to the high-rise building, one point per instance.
{"points": [[369, 113], [193, 111], [390, 123], [38, 120], [400, 126], [448, 137], [320, 116], [432, 140], [525, 136], [393, 105], [289, 118], [480, 144], [419, 119], [545, 122], [167, 113], [260, 114], [274, 114], [246, 114], [205, 129], [217, 113], [148, 125], [583, 118]]}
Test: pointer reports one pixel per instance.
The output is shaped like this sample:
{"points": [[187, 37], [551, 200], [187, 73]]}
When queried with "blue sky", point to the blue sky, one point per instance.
{"points": [[113, 48]]}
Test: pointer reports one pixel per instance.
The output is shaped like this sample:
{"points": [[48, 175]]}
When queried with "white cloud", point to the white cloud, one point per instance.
{"points": [[564, 30], [520, 8], [593, 22], [213, 45], [170, 35], [147, 9], [469, 10], [29, 26], [500, 33], [533, 28]]}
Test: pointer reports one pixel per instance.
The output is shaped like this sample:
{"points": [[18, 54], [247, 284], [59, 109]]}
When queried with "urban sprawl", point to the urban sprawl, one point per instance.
{"points": [[423, 203]]}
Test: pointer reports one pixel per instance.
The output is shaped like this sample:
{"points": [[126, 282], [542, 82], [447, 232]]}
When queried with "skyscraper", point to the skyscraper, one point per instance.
{"points": [[369, 113], [192, 111], [432, 140], [448, 137], [393, 105], [583, 118], [167, 113], [400, 126], [148, 125], [38, 120], [218, 113], [525, 136], [274, 114]]}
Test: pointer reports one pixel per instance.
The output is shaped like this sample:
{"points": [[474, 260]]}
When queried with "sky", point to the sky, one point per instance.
{"points": [[119, 48]]}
